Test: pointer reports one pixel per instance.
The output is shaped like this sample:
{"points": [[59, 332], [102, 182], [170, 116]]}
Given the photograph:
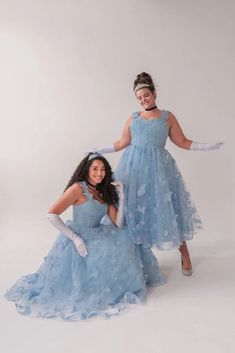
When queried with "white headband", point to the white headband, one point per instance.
{"points": [[94, 155]]}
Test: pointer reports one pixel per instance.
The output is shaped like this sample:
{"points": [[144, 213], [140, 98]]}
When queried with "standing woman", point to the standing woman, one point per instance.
{"points": [[159, 209]]}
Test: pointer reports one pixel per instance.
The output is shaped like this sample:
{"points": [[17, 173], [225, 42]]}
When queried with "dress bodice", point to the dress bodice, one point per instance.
{"points": [[149, 132], [88, 213]]}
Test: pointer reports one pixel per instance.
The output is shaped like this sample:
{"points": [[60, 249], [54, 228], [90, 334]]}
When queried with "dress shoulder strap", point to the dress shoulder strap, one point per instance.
{"points": [[85, 189], [135, 115], [165, 114]]}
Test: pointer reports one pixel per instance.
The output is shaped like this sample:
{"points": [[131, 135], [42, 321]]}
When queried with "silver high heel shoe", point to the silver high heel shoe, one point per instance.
{"points": [[185, 272]]}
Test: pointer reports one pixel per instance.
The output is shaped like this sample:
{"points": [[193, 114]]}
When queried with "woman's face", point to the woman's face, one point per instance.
{"points": [[146, 98], [96, 172]]}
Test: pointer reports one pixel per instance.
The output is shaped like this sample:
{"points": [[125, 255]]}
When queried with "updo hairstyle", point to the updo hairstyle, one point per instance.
{"points": [[144, 78]]}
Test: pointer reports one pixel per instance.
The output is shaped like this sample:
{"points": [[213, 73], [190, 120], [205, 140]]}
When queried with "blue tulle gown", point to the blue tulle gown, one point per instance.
{"points": [[159, 209], [67, 286]]}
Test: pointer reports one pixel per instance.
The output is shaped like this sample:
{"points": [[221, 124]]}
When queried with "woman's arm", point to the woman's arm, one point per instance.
{"points": [[119, 145], [69, 197], [125, 138], [117, 216], [177, 137], [112, 213], [176, 134]]}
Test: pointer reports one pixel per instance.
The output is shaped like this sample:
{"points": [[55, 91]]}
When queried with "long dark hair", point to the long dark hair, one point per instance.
{"points": [[144, 77], [105, 188]]}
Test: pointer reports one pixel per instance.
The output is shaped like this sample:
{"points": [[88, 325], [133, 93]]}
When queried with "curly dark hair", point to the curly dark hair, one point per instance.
{"points": [[105, 188], [144, 77]]}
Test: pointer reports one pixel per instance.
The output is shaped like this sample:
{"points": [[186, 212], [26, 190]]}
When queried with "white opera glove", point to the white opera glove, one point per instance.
{"points": [[69, 233], [121, 204], [199, 146], [103, 150]]}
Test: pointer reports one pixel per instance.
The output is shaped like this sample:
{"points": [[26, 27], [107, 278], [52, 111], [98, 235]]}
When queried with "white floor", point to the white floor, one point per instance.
{"points": [[47, 49], [193, 315]]}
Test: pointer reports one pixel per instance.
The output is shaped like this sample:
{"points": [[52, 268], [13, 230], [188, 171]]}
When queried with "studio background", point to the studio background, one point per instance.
{"points": [[66, 76]]}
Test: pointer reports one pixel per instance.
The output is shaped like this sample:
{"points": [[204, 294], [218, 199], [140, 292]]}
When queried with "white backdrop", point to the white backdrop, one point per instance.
{"points": [[66, 75]]}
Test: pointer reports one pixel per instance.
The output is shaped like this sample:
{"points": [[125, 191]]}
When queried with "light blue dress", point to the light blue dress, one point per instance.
{"points": [[159, 209], [67, 286]]}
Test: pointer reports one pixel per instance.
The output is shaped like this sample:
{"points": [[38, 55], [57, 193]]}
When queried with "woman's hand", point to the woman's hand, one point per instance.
{"points": [[68, 198], [69, 233], [199, 146], [102, 150], [80, 246]]}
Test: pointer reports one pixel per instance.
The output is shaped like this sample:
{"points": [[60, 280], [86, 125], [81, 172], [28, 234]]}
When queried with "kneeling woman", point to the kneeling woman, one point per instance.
{"points": [[92, 268]]}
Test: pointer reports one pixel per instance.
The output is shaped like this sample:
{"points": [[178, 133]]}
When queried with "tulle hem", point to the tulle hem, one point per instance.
{"points": [[168, 245], [72, 312]]}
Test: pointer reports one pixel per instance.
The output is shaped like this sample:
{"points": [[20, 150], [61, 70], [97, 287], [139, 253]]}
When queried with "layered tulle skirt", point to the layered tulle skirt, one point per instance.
{"points": [[159, 209], [66, 286]]}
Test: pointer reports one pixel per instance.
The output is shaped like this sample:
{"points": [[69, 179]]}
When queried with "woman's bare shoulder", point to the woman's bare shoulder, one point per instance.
{"points": [[76, 189], [171, 119]]}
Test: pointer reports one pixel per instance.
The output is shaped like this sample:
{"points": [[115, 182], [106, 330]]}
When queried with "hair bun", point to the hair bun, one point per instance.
{"points": [[144, 77]]}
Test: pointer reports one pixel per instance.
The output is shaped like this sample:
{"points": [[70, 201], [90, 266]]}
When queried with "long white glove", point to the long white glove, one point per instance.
{"points": [[199, 146], [108, 149], [120, 212], [69, 233]]}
